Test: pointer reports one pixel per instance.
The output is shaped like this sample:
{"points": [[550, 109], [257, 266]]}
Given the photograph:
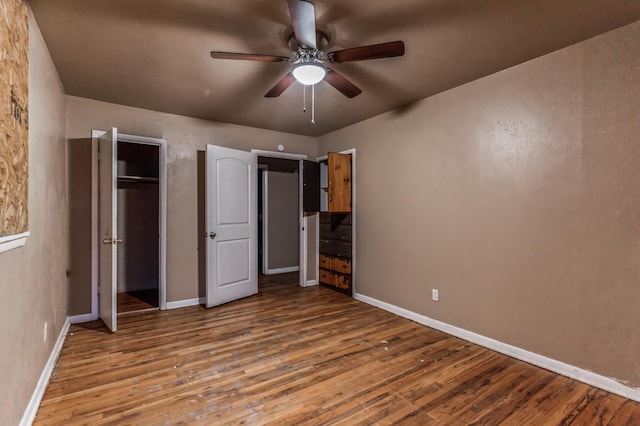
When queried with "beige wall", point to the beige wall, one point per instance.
{"points": [[517, 196], [283, 211], [185, 137], [138, 222], [33, 278], [79, 222]]}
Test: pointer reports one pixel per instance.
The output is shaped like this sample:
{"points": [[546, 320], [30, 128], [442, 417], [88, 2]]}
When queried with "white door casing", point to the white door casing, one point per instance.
{"points": [[231, 225], [302, 226], [108, 220]]}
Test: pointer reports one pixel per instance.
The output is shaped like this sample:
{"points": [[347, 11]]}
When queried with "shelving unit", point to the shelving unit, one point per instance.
{"points": [[137, 179], [324, 186], [336, 252], [336, 234]]}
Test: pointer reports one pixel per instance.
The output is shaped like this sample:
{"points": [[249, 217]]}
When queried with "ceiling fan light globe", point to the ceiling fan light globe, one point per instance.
{"points": [[309, 74]]}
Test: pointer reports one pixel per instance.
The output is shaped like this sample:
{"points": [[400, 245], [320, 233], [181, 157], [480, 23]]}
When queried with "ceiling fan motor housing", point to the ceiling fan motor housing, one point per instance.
{"points": [[308, 53], [322, 41]]}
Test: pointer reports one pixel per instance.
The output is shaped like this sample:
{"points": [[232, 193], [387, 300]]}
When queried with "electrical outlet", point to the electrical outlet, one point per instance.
{"points": [[46, 325], [435, 295]]}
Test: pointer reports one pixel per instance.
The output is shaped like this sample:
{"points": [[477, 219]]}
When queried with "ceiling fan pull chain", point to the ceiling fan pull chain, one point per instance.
{"points": [[304, 98], [313, 104]]}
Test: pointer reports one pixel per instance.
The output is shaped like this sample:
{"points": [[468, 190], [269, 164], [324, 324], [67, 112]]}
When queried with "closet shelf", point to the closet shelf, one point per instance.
{"points": [[140, 179]]}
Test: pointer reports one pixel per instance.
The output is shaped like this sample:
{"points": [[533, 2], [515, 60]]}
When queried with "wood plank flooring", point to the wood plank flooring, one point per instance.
{"points": [[299, 356], [134, 301]]}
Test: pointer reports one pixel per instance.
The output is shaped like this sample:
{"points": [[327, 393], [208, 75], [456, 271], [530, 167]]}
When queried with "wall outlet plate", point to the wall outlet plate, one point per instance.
{"points": [[435, 295]]}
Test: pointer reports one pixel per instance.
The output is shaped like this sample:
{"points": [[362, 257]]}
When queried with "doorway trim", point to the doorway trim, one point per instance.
{"points": [[302, 220], [162, 215], [264, 211]]}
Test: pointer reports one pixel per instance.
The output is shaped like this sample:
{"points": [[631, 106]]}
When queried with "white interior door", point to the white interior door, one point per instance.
{"points": [[108, 220], [232, 227]]}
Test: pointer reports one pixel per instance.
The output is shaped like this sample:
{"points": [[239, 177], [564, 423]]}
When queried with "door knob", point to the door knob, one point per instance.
{"points": [[112, 241], [212, 235]]}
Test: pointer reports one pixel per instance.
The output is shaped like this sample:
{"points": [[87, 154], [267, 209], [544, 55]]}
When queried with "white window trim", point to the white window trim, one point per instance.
{"points": [[11, 242]]}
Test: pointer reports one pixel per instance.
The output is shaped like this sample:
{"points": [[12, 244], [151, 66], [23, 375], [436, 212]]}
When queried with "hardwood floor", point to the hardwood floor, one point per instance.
{"points": [[134, 301], [295, 356], [287, 278]]}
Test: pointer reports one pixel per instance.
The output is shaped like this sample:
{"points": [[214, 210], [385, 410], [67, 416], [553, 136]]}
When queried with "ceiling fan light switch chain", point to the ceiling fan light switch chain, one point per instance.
{"points": [[313, 104]]}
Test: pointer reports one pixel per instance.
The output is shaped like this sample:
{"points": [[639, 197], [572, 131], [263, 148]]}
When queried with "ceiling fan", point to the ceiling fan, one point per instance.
{"points": [[308, 59]]}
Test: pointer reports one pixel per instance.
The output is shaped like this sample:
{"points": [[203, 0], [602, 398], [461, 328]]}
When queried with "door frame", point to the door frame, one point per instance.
{"points": [[162, 215], [302, 219], [264, 211], [354, 240]]}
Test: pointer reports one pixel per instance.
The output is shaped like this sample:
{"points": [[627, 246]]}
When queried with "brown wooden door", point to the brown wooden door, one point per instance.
{"points": [[339, 183]]}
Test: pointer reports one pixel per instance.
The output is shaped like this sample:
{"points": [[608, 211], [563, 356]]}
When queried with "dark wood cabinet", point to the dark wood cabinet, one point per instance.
{"points": [[335, 228], [336, 252], [326, 186]]}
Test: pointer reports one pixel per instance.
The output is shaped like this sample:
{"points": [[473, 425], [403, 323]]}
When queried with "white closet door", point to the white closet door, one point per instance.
{"points": [[107, 198]]}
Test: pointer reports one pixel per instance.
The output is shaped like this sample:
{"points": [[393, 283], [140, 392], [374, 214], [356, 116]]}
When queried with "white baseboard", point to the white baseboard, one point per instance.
{"points": [[34, 403], [187, 302], [77, 319], [310, 283], [571, 371], [282, 270]]}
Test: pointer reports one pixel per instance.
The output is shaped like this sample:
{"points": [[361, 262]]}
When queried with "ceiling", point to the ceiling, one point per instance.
{"points": [[154, 54]]}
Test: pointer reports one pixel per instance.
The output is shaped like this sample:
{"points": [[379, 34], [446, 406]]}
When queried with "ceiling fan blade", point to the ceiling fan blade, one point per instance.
{"points": [[280, 86], [249, 57], [363, 53], [343, 85], [303, 16]]}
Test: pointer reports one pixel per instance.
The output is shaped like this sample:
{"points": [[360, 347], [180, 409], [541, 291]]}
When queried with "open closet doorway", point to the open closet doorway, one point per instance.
{"points": [[138, 207], [129, 217]]}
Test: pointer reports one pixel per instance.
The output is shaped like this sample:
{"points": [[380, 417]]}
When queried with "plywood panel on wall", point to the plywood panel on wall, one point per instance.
{"points": [[14, 75]]}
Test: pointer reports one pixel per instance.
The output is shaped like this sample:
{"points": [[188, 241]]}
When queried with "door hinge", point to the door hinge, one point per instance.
{"points": [[99, 288]]}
